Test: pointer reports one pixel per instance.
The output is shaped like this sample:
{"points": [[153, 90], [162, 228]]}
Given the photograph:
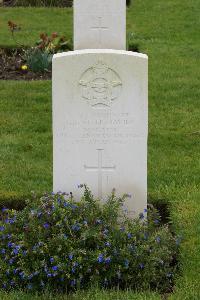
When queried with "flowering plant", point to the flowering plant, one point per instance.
{"points": [[60, 244], [53, 43]]}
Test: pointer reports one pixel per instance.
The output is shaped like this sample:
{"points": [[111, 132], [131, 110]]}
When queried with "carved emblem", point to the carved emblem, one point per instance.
{"points": [[100, 85]]}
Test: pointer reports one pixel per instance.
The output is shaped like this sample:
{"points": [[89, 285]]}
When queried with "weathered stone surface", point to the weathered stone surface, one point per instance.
{"points": [[100, 24], [100, 123]]}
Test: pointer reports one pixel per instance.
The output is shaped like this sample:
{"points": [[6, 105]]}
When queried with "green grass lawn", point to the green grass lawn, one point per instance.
{"points": [[90, 295], [33, 21], [168, 31]]}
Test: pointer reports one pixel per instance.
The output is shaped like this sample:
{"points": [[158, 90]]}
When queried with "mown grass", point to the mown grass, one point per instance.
{"points": [[168, 31], [33, 21], [93, 294]]}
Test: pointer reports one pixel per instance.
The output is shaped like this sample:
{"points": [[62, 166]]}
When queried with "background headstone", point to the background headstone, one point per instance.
{"points": [[100, 24]]}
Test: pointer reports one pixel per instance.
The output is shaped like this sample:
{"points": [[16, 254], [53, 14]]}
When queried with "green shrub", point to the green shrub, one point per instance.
{"points": [[37, 60], [53, 43], [60, 244]]}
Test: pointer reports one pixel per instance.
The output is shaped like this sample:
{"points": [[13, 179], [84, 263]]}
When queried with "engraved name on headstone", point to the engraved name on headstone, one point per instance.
{"points": [[100, 123]]}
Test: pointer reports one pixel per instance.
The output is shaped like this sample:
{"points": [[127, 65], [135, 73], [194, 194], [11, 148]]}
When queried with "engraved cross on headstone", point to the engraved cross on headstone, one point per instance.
{"points": [[100, 169], [99, 24], [100, 29]]}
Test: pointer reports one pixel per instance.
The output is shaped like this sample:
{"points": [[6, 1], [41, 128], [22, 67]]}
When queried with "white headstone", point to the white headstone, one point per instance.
{"points": [[100, 24], [100, 123]]}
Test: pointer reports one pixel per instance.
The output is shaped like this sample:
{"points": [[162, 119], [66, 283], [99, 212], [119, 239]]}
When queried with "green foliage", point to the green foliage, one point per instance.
{"points": [[60, 244], [37, 60], [54, 43], [131, 44]]}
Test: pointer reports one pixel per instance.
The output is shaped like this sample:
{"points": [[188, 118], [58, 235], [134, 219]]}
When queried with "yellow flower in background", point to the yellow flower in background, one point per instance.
{"points": [[24, 67]]}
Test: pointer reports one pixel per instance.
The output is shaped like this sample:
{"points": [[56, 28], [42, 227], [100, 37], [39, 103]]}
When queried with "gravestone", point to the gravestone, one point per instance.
{"points": [[100, 123], [99, 24]]}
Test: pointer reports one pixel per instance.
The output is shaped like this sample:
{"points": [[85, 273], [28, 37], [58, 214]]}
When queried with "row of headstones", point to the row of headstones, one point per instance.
{"points": [[100, 109]]}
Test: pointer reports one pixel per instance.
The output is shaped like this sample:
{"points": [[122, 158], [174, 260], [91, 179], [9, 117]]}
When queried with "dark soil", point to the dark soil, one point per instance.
{"points": [[11, 61]]}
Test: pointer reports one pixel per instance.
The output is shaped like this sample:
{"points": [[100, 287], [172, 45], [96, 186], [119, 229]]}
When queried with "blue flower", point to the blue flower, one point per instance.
{"points": [[3, 251], [156, 221], [98, 221], [22, 275], [141, 265], [158, 239], [75, 264], [73, 206], [16, 250], [46, 225], [75, 227], [107, 244], [49, 275], [11, 261], [11, 245], [126, 263], [178, 241], [107, 260], [100, 258], [9, 236], [29, 286], [85, 222], [73, 282], [59, 201], [42, 283], [51, 259], [141, 216], [55, 268], [129, 235], [71, 256], [36, 273], [2, 228], [169, 275], [39, 214]]}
